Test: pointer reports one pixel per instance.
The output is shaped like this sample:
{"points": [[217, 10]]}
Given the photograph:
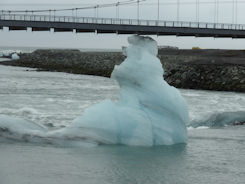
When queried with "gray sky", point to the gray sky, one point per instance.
{"points": [[148, 10]]}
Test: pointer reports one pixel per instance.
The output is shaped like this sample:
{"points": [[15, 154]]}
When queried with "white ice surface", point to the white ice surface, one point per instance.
{"points": [[15, 56]]}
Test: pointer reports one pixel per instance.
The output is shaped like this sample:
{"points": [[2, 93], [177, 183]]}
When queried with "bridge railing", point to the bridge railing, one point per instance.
{"points": [[94, 20]]}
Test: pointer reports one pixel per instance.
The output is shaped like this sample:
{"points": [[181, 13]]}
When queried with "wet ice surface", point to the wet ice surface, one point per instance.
{"points": [[149, 112], [211, 155]]}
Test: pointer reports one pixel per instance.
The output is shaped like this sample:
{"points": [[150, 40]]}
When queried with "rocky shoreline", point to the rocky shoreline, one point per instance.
{"points": [[221, 70]]}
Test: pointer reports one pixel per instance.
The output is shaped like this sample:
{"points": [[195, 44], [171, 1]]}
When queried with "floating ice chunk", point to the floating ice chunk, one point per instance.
{"points": [[149, 111], [20, 129], [202, 127], [15, 56], [190, 128], [7, 53], [220, 119], [197, 128]]}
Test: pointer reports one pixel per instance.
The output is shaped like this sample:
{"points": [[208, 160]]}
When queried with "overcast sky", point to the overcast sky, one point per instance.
{"points": [[148, 10]]}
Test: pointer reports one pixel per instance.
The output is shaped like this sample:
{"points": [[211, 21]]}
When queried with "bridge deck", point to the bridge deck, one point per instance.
{"points": [[119, 26]]}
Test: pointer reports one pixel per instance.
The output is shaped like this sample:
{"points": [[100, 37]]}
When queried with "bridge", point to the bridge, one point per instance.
{"points": [[21, 20]]}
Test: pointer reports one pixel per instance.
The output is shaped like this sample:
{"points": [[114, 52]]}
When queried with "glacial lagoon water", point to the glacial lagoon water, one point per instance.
{"points": [[212, 155]]}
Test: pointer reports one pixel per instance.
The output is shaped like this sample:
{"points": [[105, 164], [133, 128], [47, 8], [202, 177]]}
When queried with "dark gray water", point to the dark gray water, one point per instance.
{"points": [[212, 155]]}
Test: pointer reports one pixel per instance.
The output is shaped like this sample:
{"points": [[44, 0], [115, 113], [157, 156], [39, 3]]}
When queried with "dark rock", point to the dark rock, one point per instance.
{"points": [[238, 123], [222, 70]]}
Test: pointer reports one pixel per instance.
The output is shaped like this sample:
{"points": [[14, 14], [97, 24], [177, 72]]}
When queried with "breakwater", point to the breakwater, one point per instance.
{"points": [[222, 70]]}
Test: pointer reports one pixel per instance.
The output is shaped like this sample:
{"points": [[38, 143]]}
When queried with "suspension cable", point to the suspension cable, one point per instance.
{"points": [[126, 2], [236, 11], [233, 10], [138, 9], [158, 10], [178, 5], [197, 10], [117, 10], [217, 11]]}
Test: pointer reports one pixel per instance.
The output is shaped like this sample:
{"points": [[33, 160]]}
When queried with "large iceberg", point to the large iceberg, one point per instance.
{"points": [[149, 111]]}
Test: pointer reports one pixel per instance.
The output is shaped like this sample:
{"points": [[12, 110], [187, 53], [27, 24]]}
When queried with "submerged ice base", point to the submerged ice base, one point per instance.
{"points": [[148, 112]]}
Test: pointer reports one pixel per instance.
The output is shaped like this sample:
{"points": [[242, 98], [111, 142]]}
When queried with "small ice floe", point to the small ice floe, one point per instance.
{"points": [[202, 127], [197, 128], [221, 119], [9, 53], [15, 56]]}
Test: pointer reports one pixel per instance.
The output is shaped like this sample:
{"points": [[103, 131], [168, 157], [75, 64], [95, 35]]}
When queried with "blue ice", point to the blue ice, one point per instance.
{"points": [[149, 111]]}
